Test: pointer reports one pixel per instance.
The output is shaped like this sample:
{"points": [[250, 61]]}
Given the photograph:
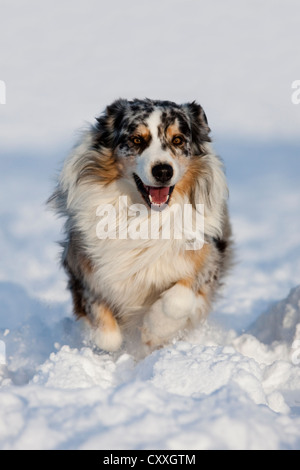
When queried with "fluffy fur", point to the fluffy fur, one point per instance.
{"points": [[158, 154]]}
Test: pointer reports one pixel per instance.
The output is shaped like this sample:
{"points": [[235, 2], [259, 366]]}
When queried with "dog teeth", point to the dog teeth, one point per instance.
{"points": [[158, 205]]}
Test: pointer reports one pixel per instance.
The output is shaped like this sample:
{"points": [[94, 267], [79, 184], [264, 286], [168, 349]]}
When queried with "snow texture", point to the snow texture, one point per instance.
{"points": [[215, 390], [234, 382]]}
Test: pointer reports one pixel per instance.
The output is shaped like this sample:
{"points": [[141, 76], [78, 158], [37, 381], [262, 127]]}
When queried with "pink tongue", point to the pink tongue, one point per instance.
{"points": [[159, 195]]}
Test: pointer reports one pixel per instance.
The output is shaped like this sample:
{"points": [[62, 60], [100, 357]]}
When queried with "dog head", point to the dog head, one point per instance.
{"points": [[152, 143]]}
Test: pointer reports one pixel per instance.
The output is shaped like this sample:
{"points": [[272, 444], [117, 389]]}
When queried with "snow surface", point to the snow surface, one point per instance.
{"points": [[234, 383], [215, 390]]}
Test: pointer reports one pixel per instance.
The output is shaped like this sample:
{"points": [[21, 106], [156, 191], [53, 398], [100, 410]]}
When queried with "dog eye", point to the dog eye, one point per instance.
{"points": [[177, 140], [136, 140]]}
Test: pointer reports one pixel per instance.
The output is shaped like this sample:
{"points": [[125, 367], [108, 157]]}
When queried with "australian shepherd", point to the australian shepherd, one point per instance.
{"points": [[139, 162]]}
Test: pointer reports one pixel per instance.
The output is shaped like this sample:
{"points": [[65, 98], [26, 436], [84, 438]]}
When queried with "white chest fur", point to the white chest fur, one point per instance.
{"points": [[129, 270]]}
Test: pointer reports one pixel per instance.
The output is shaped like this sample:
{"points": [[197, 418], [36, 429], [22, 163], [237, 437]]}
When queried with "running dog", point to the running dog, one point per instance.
{"points": [[152, 156]]}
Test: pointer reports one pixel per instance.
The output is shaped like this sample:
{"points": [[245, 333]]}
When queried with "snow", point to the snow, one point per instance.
{"points": [[217, 389], [234, 383]]}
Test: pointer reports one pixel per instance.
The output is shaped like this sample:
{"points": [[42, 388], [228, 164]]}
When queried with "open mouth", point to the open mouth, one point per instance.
{"points": [[156, 197]]}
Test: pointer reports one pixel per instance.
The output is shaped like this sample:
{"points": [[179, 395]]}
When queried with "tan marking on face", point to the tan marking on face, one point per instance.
{"points": [[175, 150], [143, 132], [172, 130]]}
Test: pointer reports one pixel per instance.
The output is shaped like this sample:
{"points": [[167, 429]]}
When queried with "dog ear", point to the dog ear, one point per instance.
{"points": [[199, 124], [109, 123]]}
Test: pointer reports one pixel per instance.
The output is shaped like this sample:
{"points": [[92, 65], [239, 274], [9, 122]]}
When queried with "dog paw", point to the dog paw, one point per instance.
{"points": [[179, 302], [106, 333], [107, 340], [158, 328]]}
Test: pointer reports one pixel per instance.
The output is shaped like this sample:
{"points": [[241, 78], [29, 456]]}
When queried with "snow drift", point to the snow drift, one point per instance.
{"points": [[215, 390]]}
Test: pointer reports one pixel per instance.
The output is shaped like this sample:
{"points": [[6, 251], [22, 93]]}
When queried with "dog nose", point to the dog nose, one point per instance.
{"points": [[162, 172]]}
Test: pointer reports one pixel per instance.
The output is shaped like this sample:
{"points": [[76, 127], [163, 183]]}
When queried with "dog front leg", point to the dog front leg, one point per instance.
{"points": [[106, 333], [170, 314]]}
